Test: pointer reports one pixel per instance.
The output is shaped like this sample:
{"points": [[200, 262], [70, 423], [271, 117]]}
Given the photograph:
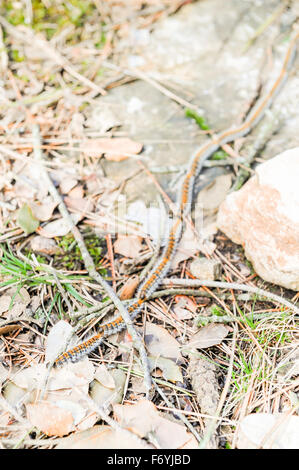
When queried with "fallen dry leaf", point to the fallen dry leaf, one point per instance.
{"points": [[31, 377], [77, 204], [44, 245], [35, 187], [27, 220], [77, 192], [115, 149], [208, 336], [182, 313], [43, 211], [57, 340], [8, 328], [58, 228], [183, 308], [4, 303], [162, 366], [105, 396], [67, 184], [88, 421], [16, 300], [51, 419], [170, 370], [160, 343], [14, 395], [128, 245], [79, 374], [103, 376], [187, 302], [144, 420], [129, 288], [101, 437], [78, 411]]}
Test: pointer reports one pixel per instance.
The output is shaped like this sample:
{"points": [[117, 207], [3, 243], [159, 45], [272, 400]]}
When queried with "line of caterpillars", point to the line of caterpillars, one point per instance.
{"points": [[145, 290], [161, 268]]}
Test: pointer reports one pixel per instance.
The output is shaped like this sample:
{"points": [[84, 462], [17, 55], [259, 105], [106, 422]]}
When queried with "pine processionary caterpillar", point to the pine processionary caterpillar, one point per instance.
{"points": [[85, 348]]}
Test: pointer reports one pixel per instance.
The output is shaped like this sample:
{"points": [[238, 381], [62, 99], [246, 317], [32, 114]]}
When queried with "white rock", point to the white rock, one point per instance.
{"points": [[268, 431], [264, 217], [204, 268]]}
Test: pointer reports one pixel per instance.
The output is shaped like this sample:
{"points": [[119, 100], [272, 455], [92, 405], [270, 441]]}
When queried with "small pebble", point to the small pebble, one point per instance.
{"points": [[204, 268]]}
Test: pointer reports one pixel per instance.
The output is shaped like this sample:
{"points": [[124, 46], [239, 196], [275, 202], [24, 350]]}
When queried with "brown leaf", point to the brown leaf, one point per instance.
{"points": [[128, 245], [44, 245], [44, 211], [77, 192], [208, 336], [30, 377], [160, 343], [14, 395], [182, 313], [56, 339], [88, 421], [103, 376], [50, 419], [58, 228], [104, 396], [144, 420], [67, 184], [19, 299], [8, 328], [170, 370], [129, 288], [77, 204], [187, 302], [5, 301], [115, 149], [101, 437], [184, 305]]}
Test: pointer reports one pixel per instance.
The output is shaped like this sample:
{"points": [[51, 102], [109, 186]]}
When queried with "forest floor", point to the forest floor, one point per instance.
{"points": [[102, 103]]}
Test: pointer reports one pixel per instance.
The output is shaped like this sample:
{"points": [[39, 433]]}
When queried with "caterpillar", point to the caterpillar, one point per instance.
{"points": [[85, 348], [159, 271]]}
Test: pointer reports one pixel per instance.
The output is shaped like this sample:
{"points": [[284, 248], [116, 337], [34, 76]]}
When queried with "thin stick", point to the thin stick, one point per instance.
{"points": [[181, 416], [111, 258], [230, 285], [143, 76]]}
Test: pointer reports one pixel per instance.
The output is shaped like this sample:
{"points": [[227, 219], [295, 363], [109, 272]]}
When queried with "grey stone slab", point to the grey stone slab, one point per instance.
{"points": [[199, 54]]}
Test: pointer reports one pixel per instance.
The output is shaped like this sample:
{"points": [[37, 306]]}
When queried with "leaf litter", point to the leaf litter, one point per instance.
{"points": [[38, 312]]}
